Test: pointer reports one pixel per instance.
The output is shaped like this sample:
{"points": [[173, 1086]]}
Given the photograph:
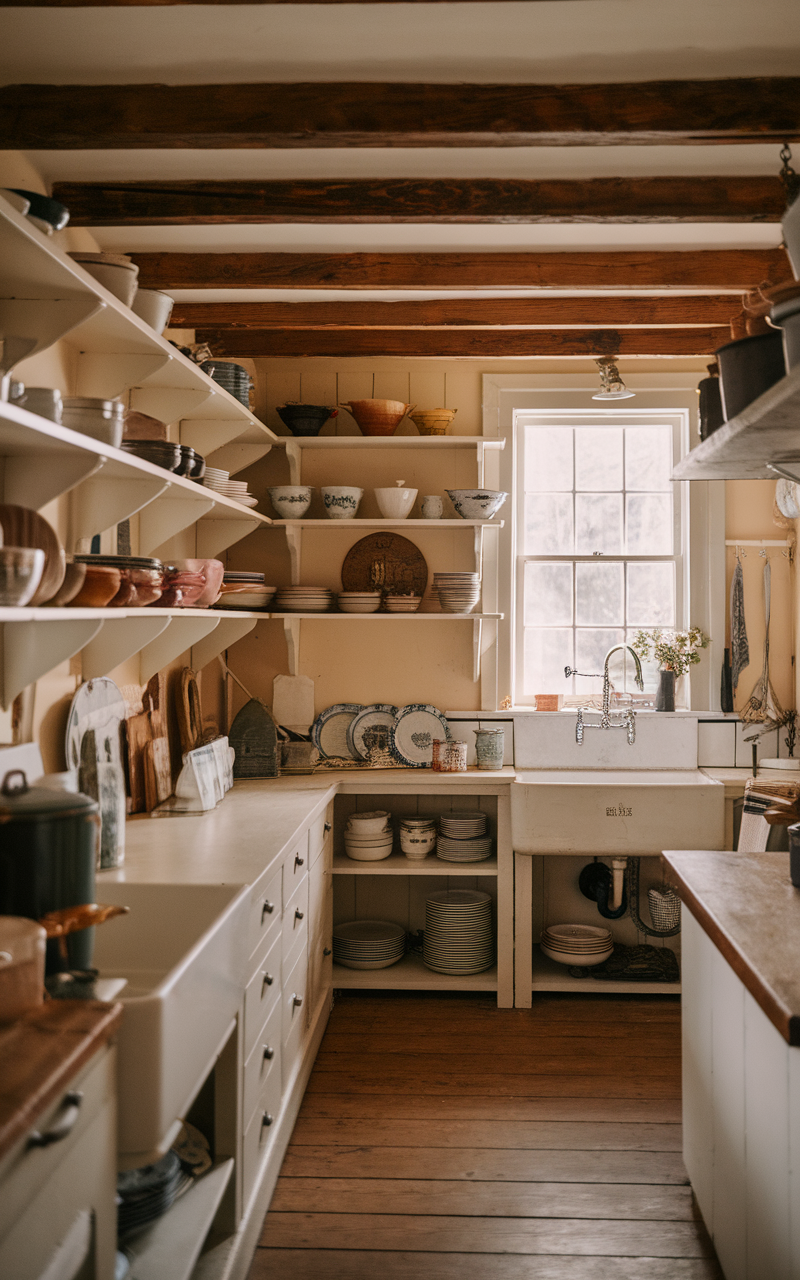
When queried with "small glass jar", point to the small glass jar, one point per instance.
{"points": [[181, 588]]}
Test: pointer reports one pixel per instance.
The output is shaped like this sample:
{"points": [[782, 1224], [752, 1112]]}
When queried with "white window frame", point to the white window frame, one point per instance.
{"points": [[505, 397]]}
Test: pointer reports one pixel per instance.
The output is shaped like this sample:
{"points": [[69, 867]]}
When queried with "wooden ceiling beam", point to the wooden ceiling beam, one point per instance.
{"points": [[449, 344], [469, 313], [440, 200], [69, 116], [708, 269]]}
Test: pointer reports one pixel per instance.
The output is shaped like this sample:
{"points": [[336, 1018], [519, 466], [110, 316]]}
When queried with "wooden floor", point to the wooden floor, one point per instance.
{"points": [[442, 1138]]}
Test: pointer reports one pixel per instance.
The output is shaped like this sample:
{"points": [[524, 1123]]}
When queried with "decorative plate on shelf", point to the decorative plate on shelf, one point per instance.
{"points": [[329, 730], [385, 562], [380, 716], [413, 733]]}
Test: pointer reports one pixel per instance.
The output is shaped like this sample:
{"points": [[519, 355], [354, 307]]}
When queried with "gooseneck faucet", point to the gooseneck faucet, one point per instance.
{"points": [[608, 719]]}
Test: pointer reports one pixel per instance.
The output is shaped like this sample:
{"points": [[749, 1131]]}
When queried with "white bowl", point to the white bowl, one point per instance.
{"points": [[396, 503], [476, 504], [154, 307], [341, 501], [118, 278], [291, 501], [371, 822], [368, 855]]}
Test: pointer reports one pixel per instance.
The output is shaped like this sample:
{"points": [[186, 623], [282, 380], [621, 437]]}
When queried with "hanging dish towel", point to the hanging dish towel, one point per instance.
{"points": [[740, 650]]}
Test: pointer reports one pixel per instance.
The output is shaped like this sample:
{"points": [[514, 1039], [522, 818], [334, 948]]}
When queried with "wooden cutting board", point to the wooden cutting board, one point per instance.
{"points": [[293, 702], [385, 562], [139, 732], [157, 773], [190, 716]]}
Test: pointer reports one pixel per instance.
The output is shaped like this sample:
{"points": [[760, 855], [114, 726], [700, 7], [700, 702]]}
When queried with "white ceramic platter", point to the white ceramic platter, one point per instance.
{"points": [[413, 732], [329, 730], [379, 713]]}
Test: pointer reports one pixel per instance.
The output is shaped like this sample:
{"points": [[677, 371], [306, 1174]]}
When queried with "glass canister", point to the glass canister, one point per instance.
{"points": [[490, 747]]}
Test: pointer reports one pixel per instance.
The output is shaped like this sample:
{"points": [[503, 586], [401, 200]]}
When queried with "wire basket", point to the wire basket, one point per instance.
{"points": [[665, 908]]}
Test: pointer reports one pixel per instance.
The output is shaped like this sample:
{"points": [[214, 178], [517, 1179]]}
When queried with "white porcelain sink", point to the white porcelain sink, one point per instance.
{"points": [[615, 811], [181, 951]]}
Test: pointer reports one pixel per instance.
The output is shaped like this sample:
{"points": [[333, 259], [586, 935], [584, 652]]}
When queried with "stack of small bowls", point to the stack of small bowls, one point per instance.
{"points": [[232, 377], [359, 601], [402, 604], [368, 836], [417, 837], [244, 590], [161, 453], [584, 945], [303, 599], [458, 592], [220, 481]]}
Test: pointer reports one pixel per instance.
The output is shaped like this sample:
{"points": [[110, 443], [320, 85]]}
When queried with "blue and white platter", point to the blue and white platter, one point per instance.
{"points": [[413, 732], [380, 713], [329, 730]]}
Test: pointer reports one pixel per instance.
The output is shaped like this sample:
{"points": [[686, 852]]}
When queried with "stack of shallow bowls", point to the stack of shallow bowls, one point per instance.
{"points": [[368, 836], [303, 599], [220, 482], [232, 377], [162, 453], [577, 944], [402, 604], [368, 944], [458, 592], [359, 601], [458, 932], [463, 838]]}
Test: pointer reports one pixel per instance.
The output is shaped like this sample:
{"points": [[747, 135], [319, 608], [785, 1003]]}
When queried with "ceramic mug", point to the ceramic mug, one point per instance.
{"points": [[432, 507]]}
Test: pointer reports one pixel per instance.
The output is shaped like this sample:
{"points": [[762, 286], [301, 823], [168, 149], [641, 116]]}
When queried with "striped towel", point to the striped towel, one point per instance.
{"points": [[758, 797]]}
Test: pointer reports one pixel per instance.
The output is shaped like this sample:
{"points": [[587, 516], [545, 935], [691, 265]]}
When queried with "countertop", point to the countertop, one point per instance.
{"points": [[41, 1052], [750, 909]]}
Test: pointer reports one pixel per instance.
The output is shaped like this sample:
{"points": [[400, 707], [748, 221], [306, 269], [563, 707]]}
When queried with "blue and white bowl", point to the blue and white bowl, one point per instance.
{"points": [[291, 501], [341, 501], [476, 504]]}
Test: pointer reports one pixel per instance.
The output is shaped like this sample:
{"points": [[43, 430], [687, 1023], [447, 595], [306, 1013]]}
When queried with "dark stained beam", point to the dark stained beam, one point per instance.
{"points": [[136, 4], [709, 269], [443, 200], [468, 313], [762, 109], [453, 343]]}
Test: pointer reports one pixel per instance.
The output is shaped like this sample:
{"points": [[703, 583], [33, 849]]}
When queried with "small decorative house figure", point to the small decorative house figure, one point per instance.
{"points": [[254, 738]]}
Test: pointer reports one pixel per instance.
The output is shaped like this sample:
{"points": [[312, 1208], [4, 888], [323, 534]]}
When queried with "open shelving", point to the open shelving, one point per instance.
{"points": [[397, 864], [172, 1245], [295, 446], [549, 976], [411, 974]]}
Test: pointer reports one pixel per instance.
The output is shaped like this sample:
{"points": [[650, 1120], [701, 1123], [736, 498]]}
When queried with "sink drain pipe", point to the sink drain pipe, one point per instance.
{"points": [[597, 883]]}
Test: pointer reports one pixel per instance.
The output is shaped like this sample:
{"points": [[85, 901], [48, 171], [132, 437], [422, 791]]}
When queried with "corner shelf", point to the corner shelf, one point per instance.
{"points": [[741, 449], [397, 864], [172, 1245], [549, 976], [411, 974]]}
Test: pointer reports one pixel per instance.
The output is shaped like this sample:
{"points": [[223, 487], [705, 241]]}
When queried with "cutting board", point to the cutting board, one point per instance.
{"points": [[190, 716], [103, 780], [139, 732], [157, 773], [293, 702]]}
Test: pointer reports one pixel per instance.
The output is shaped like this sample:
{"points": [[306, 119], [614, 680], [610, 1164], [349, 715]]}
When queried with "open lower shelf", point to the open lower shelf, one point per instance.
{"points": [[171, 1246], [549, 976], [410, 974], [397, 864]]}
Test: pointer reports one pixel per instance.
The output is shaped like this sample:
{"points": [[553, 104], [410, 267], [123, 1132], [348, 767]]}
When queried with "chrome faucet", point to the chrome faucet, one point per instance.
{"points": [[608, 719]]}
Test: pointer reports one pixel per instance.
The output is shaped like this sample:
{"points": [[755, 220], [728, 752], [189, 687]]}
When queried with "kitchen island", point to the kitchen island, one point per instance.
{"points": [[741, 1055]]}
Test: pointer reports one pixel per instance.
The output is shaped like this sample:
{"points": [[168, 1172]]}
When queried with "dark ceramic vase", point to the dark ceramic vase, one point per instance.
{"points": [[665, 698]]}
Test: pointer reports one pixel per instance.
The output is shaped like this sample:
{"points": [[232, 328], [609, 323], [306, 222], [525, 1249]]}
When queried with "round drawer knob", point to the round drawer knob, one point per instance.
{"points": [[267, 909], [328, 827], [268, 981], [297, 1001], [299, 915], [298, 861], [266, 1120], [269, 1053], [326, 951]]}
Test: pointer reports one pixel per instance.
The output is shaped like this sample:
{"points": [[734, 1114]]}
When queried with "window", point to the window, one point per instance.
{"points": [[600, 543]]}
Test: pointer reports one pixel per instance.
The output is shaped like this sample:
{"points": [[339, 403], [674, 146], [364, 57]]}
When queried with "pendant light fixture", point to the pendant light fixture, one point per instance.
{"points": [[611, 385]]}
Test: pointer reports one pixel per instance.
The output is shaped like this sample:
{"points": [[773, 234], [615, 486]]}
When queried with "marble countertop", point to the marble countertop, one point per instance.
{"points": [[750, 909]]}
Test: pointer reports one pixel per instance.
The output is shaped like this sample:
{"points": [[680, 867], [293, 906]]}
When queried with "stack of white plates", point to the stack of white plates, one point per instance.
{"points": [[458, 932], [303, 600], [402, 604], [368, 944], [368, 837], [463, 825], [359, 601], [579, 944], [458, 592], [220, 481], [463, 850]]}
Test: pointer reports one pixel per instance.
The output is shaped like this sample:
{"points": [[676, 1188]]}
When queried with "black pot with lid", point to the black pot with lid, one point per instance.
{"points": [[49, 844]]}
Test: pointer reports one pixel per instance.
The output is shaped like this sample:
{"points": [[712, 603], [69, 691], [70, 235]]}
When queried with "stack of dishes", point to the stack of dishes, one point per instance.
{"points": [[146, 1194], [368, 836], [245, 591], [303, 600], [233, 378], [162, 453], [577, 944], [458, 592], [458, 932], [402, 604], [463, 838], [368, 944], [359, 601], [220, 481]]}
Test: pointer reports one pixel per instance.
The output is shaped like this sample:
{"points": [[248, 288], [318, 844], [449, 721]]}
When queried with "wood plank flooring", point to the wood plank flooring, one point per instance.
{"points": [[445, 1139]]}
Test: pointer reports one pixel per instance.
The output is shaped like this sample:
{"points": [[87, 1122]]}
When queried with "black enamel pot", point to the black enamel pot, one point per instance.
{"points": [[747, 368]]}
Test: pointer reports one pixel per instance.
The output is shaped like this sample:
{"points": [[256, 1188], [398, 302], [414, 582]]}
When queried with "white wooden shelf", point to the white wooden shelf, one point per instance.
{"points": [[35, 641], [295, 445], [397, 864], [766, 431], [391, 617], [411, 974], [549, 976], [172, 1245], [379, 523]]}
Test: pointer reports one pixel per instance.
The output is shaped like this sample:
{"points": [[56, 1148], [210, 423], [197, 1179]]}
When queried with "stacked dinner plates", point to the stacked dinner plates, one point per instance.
{"points": [[303, 600], [234, 378], [458, 592], [577, 944], [368, 944], [220, 481], [458, 932], [463, 825], [463, 838], [464, 850]]}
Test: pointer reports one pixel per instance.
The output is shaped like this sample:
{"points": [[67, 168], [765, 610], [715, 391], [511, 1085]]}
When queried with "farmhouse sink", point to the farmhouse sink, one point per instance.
{"points": [[180, 949], [615, 811]]}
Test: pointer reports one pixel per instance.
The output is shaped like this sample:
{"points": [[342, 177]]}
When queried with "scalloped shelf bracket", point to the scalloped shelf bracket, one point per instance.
{"points": [[33, 482], [222, 637], [108, 375], [234, 457], [215, 535], [294, 456], [31, 649], [179, 636], [168, 403], [291, 632], [46, 319], [173, 512], [101, 502], [208, 434], [119, 639], [294, 541]]}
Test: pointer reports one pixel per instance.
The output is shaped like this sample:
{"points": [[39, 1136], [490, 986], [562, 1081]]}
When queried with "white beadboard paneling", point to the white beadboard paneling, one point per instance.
{"points": [[767, 1112], [729, 1191], [716, 744], [696, 1006]]}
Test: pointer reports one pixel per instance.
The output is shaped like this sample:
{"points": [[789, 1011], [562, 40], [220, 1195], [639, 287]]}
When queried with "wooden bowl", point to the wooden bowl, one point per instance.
{"points": [[23, 527], [433, 422], [377, 417]]}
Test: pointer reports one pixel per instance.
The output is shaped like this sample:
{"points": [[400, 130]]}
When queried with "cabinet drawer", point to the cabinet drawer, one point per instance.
{"points": [[293, 1022], [320, 831], [295, 925], [320, 929], [265, 909], [262, 992], [295, 868], [259, 1134], [264, 1061]]}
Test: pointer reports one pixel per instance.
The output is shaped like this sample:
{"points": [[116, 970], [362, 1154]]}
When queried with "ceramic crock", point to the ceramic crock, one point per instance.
{"points": [[489, 747]]}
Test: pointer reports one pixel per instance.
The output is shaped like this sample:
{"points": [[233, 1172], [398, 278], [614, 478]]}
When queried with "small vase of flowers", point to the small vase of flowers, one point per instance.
{"points": [[675, 652]]}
